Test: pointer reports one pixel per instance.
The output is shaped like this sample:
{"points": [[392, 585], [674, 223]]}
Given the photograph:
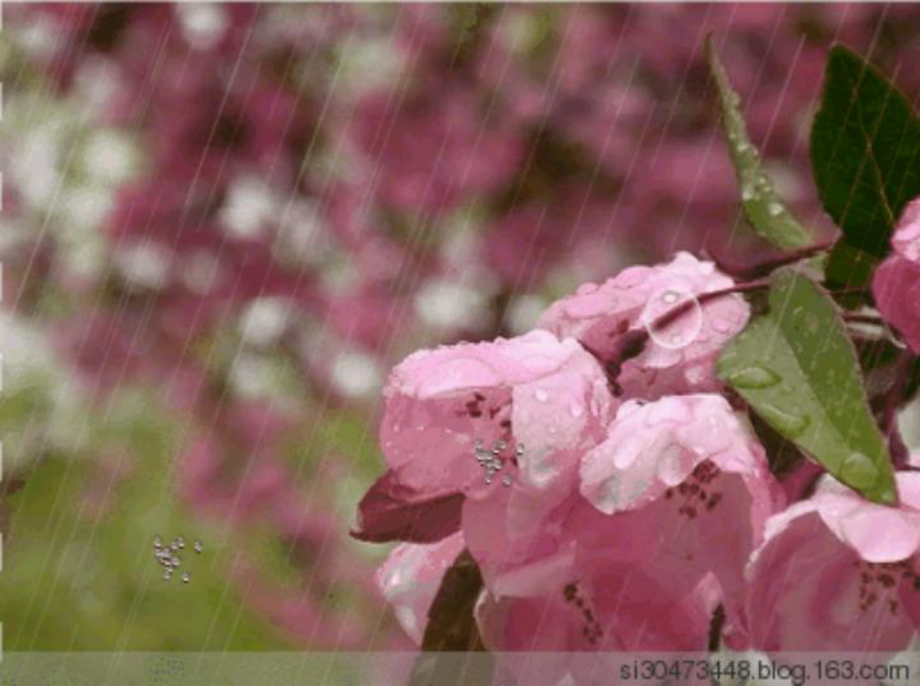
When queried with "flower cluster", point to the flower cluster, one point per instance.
{"points": [[616, 497]]}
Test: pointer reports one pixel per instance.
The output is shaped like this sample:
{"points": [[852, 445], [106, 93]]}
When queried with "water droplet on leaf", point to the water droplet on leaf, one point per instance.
{"points": [[753, 377], [789, 423], [859, 470]]}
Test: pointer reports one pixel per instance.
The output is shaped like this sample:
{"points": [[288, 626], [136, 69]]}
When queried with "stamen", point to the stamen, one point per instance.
{"points": [[493, 461]]}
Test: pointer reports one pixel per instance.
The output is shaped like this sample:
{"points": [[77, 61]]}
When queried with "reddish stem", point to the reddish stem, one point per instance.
{"points": [[766, 267]]}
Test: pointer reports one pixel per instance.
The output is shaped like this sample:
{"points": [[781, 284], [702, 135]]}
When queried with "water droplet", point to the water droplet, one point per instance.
{"points": [[199, 546], [520, 449], [789, 423], [541, 395], [753, 377], [186, 577], [167, 574], [506, 480], [157, 542], [576, 409], [859, 471], [176, 562], [774, 208], [180, 542], [670, 463], [682, 327]]}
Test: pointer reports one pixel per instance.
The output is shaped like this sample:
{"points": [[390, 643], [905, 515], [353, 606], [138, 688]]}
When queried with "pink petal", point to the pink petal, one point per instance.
{"points": [[807, 594], [410, 578], [896, 287], [880, 534]]}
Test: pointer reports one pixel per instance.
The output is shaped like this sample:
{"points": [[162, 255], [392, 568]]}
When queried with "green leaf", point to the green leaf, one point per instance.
{"points": [[764, 207], [798, 369], [865, 154]]}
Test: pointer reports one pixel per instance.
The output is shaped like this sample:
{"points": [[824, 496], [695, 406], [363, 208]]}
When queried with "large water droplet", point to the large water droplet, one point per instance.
{"points": [[859, 471], [774, 209], [679, 330], [789, 423], [753, 377]]}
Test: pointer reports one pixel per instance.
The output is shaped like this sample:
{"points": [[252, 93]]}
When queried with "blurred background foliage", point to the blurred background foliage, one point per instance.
{"points": [[222, 224]]}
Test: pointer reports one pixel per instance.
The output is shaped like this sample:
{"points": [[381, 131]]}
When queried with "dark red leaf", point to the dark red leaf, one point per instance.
{"points": [[391, 511]]}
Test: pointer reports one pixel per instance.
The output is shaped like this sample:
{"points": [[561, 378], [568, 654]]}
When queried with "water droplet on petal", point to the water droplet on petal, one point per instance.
{"points": [[722, 325], [670, 464], [541, 395], [576, 409], [753, 377]]}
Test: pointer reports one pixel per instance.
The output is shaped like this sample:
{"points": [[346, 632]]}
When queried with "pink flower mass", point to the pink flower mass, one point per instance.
{"points": [[603, 515]]}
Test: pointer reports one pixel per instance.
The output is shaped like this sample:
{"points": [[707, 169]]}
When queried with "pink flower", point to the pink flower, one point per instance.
{"points": [[435, 149], [679, 357], [514, 411], [838, 573], [689, 489], [592, 605], [410, 578], [906, 239], [486, 437], [896, 284]]}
